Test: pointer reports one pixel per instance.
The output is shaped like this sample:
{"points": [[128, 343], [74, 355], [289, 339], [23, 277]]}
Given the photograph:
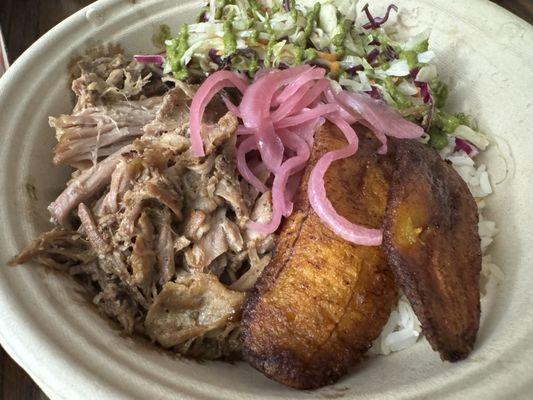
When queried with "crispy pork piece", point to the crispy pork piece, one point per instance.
{"points": [[321, 302], [433, 247], [195, 308]]}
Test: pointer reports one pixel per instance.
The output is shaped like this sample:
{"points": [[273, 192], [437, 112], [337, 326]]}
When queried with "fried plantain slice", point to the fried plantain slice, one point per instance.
{"points": [[321, 301], [433, 247]]}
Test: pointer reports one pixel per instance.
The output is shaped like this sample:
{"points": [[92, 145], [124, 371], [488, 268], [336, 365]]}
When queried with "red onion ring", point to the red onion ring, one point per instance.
{"points": [[211, 86], [318, 197]]}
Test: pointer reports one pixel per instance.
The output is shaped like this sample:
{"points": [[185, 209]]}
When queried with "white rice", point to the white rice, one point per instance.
{"points": [[403, 328]]}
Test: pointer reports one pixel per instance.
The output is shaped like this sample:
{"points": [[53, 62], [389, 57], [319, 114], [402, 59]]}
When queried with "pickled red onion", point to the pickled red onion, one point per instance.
{"points": [[286, 107], [380, 116], [297, 104], [350, 116], [307, 130], [212, 85], [242, 130], [320, 202], [270, 146], [307, 114], [280, 113], [231, 107], [256, 101], [281, 206], [289, 90], [245, 147]]}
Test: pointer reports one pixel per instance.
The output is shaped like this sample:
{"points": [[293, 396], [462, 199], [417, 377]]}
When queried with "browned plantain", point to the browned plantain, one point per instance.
{"points": [[433, 247], [321, 302]]}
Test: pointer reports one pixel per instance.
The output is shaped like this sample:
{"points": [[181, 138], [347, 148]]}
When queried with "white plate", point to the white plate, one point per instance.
{"points": [[74, 353]]}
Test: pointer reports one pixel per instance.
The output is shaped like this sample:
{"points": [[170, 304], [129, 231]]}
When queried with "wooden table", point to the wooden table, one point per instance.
{"points": [[22, 22]]}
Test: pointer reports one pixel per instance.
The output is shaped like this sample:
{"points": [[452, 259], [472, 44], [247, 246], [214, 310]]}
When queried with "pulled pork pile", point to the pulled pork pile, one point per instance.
{"points": [[157, 236]]}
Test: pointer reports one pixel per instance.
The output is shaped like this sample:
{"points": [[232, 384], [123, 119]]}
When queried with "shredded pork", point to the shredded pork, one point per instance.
{"points": [[156, 236]]}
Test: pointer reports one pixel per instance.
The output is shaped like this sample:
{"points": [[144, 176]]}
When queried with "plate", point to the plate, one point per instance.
{"points": [[51, 330]]}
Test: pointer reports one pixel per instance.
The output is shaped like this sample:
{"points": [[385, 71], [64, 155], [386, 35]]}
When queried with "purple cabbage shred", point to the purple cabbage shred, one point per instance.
{"points": [[215, 57], [461, 144], [424, 91], [372, 55], [352, 70], [376, 22], [428, 99], [224, 62], [390, 53], [157, 59], [286, 5], [414, 72], [204, 17], [374, 93]]}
